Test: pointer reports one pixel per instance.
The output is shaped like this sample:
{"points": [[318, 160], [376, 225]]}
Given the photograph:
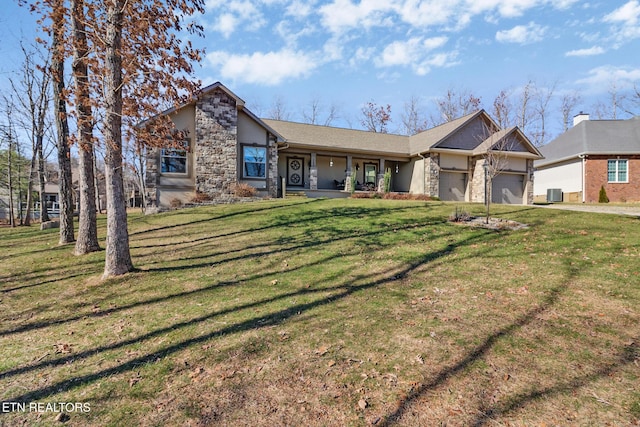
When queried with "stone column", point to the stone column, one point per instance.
{"points": [[528, 199], [313, 173], [380, 177], [347, 181], [272, 175], [478, 181], [432, 175], [152, 176]]}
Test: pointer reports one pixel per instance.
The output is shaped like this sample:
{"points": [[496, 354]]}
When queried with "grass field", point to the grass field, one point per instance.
{"points": [[328, 313]]}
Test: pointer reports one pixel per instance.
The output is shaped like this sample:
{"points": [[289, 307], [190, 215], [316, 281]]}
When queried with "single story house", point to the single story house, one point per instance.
{"points": [[593, 154], [227, 144]]}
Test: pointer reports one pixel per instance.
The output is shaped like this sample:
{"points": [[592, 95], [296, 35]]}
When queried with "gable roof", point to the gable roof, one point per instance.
{"points": [[606, 137], [523, 146], [340, 139], [240, 105], [424, 141]]}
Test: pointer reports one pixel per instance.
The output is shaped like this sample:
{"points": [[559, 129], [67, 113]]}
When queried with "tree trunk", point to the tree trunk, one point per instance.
{"points": [[44, 214], [12, 220], [62, 127], [87, 229], [118, 257], [32, 168]]}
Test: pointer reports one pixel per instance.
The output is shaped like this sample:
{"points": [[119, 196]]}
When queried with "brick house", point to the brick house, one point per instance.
{"points": [[593, 154], [227, 144]]}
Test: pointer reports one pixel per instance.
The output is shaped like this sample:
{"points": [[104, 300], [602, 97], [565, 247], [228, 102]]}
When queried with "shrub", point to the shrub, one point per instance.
{"points": [[175, 203], [459, 215], [199, 197], [602, 197], [387, 181], [244, 190]]}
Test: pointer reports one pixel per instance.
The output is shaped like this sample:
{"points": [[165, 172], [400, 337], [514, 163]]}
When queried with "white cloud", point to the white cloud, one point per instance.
{"points": [[600, 79], [270, 68], [239, 15], [628, 14], [408, 52], [343, 15], [624, 22], [595, 50], [300, 9], [522, 34]]}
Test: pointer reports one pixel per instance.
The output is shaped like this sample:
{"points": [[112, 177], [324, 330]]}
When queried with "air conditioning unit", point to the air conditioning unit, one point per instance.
{"points": [[554, 195]]}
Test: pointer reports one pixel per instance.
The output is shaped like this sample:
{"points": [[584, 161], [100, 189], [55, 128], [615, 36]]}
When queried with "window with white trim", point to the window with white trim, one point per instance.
{"points": [[254, 161], [174, 159], [617, 170]]}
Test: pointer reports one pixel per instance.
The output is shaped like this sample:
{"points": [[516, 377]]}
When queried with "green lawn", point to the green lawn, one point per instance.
{"points": [[330, 313]]}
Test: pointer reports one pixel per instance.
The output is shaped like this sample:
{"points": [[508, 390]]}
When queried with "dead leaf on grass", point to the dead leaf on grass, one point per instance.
{"points": [[135, 380], [323, 350], [362, 403], [63, 348], [331, 363]]}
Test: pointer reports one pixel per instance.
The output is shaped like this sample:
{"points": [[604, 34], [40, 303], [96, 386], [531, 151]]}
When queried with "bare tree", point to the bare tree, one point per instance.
{"points": [[502, 109], [496, 145], [8, 136], [568, 103], [541, 99], [523, 106], [613, 107], [456, 104], [413, 119], [375, 118], [32, 95], [315, 111], [278, 110]]}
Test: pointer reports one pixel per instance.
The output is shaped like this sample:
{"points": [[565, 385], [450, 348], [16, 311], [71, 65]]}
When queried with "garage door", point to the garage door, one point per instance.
{"points": [[452, 186], [508, 189]]}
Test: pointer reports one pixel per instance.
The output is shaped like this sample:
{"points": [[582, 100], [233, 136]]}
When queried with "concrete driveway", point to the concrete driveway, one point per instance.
{"points": [[633, 210]]}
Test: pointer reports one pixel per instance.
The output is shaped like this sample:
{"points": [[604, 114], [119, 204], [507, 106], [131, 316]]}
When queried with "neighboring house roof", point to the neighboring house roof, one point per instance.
{"points": [[604, 137], [340, 139]]}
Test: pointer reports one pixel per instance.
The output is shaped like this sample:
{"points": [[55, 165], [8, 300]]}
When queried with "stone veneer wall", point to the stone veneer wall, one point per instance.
{"points": [[216, 148], [432, 175], [152, 175], [529, 185], [477, 181], [272, 173]]}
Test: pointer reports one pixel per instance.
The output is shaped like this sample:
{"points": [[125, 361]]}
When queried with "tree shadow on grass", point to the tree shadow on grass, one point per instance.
{"points": [[309, 242], [626, 355], [337, 293], [250, 210]]}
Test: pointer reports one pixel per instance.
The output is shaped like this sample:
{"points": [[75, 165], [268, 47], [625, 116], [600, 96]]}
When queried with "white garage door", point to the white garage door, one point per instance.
{"points": [[508, 189], [452, 186]]}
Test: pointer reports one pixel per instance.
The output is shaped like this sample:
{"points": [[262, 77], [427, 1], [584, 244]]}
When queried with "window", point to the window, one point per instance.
{"points": [[617, 171], [174, 160], [255, 162]]}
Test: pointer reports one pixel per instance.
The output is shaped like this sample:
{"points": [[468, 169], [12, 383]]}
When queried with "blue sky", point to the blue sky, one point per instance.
{"points": [[348, 52]]}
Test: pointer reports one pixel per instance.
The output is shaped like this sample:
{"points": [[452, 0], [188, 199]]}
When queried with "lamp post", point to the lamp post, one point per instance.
{"points": [[485, 166]]}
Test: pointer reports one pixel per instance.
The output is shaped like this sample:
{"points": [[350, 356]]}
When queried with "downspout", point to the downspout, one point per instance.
{"points": [[583, 158], [423, 172]]}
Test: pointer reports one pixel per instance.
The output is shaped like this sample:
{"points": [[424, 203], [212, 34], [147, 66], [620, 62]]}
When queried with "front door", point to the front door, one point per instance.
{"points": [[370, 174], [295, 172]]}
